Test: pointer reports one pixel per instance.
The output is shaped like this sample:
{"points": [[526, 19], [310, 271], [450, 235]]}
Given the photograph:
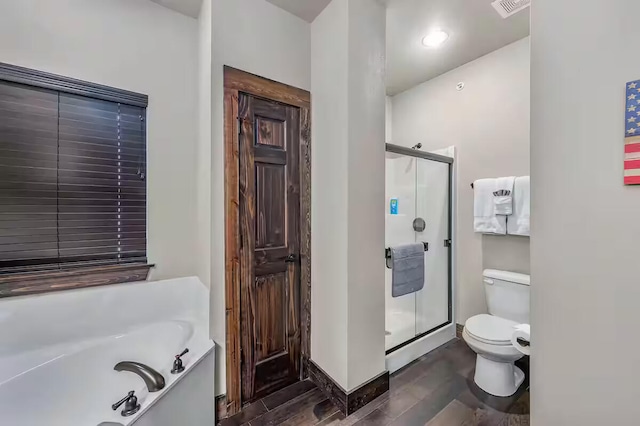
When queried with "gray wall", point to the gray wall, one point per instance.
{"points": [[506, 253], [488, 123], [584, 263]]}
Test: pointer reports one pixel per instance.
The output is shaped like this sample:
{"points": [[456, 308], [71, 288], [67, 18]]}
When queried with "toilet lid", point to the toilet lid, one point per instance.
{"points": [[490, 329]]}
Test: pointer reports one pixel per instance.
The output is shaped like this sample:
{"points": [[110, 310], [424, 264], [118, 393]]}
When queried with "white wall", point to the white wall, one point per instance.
{"points": [[367, 44], [584, 264], [203, 177], [488, 123], [348, 116], [388, 120], [257, 37], [329, 202], [137, 46]]}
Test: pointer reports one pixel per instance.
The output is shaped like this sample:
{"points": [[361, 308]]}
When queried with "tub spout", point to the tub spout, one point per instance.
{"points": [[151, 377]]}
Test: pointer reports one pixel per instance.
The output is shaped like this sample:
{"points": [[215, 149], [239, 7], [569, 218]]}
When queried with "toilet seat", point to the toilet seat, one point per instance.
{"points": [[490, 329]]}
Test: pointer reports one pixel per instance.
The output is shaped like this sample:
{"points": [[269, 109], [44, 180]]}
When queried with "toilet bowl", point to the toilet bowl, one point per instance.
{"points": [[490, 337]]}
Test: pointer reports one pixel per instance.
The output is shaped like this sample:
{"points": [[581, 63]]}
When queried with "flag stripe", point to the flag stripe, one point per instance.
{"points": [[632, 172], [633, 147], [631, 140], [632, 180], [632, 156], [633, 164]]}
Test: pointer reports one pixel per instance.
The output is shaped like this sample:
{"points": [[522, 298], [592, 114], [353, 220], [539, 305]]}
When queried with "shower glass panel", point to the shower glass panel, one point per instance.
{"points": [[432, 204], [418, 188], [400, 312]]}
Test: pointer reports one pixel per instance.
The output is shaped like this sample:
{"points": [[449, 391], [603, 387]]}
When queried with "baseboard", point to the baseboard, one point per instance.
{"points": [[459, 328], [348, 402], [221, 407]]}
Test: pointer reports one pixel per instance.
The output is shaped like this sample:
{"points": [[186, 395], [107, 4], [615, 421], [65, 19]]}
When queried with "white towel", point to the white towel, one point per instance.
{"points": [[519, 221], [484, 216], [503, 195]]}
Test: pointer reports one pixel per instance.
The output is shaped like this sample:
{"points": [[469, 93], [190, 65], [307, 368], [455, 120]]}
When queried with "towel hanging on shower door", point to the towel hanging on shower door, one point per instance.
{"points": [[407, 269]]}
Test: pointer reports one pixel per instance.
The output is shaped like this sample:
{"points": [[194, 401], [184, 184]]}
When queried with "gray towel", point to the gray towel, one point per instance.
{"points": [[407, 269]]}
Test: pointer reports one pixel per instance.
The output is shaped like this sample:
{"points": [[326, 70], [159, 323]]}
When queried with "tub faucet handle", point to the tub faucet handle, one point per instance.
{"points": [[177, 364], [131, 405]]}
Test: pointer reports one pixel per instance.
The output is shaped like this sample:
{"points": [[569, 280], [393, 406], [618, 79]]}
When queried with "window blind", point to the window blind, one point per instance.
{"points": [[72, 180]]}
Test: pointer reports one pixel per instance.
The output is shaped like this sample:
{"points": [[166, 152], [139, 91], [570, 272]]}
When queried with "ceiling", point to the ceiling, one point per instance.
{"points": [[474, 28], [186, 7], [305, 9]]}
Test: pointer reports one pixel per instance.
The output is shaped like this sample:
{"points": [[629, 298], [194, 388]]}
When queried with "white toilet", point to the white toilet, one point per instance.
{"points": [[490, 335]]}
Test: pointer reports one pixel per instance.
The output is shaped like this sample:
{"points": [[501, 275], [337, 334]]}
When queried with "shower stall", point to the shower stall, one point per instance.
{"points": [[419, 208]]}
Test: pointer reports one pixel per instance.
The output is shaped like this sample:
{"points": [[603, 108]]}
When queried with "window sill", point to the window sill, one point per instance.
{"points": [[45, 282]]}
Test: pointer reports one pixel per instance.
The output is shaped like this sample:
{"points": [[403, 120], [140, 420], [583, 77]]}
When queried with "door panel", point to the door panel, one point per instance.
{"points": [[270, 246], [270, 132], [270, 290], [432, 204], [270, 208]]}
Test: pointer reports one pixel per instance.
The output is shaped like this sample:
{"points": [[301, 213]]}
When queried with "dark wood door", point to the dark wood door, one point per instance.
{"points": [[270, 245]]}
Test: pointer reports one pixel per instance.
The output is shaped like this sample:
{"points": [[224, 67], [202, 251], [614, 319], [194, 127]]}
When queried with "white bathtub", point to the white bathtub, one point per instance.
{"points": [[74, 384]]}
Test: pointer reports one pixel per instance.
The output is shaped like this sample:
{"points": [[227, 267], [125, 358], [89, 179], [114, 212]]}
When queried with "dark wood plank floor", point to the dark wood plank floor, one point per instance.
{"points": [[436, 390]]}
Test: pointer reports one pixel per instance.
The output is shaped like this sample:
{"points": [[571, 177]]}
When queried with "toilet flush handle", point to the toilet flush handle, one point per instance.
{"points": [[487, 281]]}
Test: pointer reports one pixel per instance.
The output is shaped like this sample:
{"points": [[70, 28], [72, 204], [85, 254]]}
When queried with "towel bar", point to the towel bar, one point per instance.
{"points": [[387, 251]]}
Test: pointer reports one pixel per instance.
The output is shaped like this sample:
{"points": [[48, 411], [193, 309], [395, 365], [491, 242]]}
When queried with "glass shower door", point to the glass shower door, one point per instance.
{"points": [[400, 312], [432, 204], [418, 190]]}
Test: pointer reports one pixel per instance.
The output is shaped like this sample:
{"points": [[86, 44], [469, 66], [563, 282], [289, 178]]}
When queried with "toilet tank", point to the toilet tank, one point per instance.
{"points": [[507, 294]]}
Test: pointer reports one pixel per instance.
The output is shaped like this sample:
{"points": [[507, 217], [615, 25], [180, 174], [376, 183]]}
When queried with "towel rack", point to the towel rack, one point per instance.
{"points": [[387, 251]]}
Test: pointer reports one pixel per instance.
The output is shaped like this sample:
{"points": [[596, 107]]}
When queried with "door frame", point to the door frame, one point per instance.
{"points": [[235, 82]]}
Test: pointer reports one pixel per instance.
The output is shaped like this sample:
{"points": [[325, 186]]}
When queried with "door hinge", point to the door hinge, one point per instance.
{"points": [[239, 125], [447, 243]]}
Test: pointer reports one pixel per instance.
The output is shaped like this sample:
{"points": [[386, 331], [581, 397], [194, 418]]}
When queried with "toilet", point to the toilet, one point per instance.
{"points": [[490, 335]]}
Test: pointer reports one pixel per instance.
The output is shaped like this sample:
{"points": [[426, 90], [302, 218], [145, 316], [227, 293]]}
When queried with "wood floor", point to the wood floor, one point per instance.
{"points": [[436, 390]]}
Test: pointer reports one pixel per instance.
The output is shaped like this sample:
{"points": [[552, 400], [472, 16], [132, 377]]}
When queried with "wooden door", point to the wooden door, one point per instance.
{"points": [[269, 245]]}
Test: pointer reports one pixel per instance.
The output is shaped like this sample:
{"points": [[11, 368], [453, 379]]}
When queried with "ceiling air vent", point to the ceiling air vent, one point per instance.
{"points": [[507, 8]]}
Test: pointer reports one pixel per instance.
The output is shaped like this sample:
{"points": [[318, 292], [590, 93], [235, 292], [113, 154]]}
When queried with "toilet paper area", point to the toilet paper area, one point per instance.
{"points": [[523, 332]]}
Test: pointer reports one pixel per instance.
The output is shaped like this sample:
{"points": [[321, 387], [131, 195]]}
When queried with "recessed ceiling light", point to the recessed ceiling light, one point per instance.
{"points": [[435, 38]]}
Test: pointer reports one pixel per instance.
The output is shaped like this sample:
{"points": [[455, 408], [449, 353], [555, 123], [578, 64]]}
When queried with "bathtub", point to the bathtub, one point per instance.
{"points": [[73, 383]]}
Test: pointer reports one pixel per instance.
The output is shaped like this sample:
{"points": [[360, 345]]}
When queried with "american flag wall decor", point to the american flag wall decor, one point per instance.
{"points": [[632, 135]]}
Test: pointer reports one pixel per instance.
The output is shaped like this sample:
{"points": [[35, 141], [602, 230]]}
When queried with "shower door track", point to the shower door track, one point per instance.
{"points": [[397, 149], [418, 337]]}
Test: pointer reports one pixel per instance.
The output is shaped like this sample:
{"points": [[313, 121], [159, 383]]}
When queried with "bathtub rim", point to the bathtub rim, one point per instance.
{"points": [[188, 369]]}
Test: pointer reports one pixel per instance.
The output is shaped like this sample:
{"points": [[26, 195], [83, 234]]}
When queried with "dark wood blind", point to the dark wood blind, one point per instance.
{"points": [[72, 180]]}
